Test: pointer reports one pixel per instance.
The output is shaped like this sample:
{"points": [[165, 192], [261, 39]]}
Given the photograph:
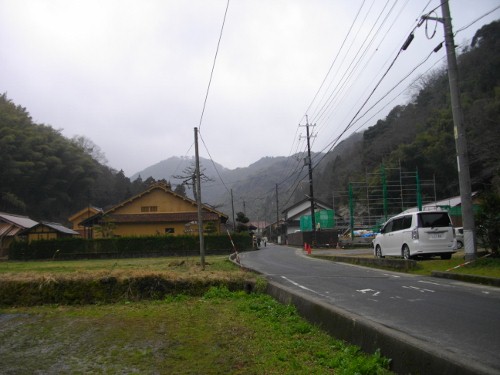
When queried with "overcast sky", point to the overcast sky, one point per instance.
{"points": [[132, 75]]}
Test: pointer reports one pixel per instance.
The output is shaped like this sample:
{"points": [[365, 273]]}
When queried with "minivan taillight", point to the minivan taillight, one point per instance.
{"points": [[414, 233]]}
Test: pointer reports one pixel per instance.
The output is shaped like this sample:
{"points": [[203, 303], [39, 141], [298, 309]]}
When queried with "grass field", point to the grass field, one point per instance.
{"points": [[221, 332]]}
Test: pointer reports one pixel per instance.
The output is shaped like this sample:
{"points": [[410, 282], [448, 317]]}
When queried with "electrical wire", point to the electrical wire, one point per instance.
{"points": [[213, 66], [213, 163], [476, 20]]}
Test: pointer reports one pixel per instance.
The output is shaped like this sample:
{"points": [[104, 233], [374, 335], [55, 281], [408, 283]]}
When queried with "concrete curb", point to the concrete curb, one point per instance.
{"points": [[396, 264], [409, 355], [483, 280]]}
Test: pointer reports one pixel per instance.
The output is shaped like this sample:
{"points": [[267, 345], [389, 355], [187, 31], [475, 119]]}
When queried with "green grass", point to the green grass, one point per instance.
{"points": [[221, 333], [486, 266]]}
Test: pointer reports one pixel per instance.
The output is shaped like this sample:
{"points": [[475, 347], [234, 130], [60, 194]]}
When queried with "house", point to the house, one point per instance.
{"points": [[48, 231], [81, 215], [156, 211], [293, 213], [10, 227]]}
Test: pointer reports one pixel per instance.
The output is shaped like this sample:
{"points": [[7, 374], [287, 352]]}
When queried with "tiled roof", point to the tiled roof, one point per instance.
{"points": [[165, 217]]}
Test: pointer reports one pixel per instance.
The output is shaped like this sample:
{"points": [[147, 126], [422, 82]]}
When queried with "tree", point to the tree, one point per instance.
{"points": [[488, 221], [89, 147], [180, 189], [105, 228], [242, 222], [188, 178]]}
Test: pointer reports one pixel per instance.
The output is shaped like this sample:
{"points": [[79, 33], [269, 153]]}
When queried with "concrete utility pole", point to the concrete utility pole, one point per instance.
{"points": [[198, 200], [311, 190], [277, 215], [460, 137]]}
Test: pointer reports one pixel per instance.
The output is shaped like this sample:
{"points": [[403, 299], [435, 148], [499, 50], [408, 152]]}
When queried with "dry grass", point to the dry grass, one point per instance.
{"points": [[105, 281], [176, 269]]}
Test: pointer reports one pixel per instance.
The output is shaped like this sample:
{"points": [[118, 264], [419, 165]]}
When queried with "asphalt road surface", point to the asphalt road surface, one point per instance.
{"points": [[461, 318]]}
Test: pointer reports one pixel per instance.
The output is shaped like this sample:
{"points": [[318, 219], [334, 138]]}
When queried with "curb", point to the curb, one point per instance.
{"points": [[483, 280], [408, 355]]}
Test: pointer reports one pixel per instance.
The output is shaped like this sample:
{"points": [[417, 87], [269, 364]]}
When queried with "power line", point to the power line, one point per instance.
{"points": [[476, 20], [213, 66]]}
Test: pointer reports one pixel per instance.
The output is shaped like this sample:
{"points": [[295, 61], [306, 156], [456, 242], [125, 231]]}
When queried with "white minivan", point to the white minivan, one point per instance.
{"points": [[421, 233]]}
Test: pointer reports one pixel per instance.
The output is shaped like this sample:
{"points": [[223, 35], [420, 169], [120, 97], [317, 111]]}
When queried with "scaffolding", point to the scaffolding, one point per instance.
{"points": [[384, 194]]}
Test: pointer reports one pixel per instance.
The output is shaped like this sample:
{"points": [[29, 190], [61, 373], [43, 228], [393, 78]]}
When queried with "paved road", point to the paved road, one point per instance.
{"points": [[463, 319]]}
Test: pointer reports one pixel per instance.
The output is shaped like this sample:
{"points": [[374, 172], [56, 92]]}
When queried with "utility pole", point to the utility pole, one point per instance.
{"points": [[460, 137], [198, 200], [311, 190], [277, 214], [232, 208]]}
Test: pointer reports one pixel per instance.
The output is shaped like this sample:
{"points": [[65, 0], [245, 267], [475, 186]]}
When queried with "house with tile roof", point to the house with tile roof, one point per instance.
{"points": [[156, 211]]}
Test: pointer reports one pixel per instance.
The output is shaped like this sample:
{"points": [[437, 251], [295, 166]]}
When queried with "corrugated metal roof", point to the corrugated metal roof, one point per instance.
{"points": [[23, 222], [59, 228]]}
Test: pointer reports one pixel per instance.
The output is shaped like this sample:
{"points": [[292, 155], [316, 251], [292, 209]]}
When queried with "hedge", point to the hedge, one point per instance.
{"points": [[126, 247]]}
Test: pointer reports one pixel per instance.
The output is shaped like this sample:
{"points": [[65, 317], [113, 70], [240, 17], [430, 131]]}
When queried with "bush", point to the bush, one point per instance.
{"points": [[125, 247]]}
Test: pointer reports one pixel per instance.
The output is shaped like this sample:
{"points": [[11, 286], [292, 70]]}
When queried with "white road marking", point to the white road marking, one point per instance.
{"points": [[422, 290], [364, 291], [299, 285], [428, 282]]}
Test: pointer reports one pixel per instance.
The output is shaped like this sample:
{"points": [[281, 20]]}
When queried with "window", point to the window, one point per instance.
{"points": [[406, 222], [387, 227], [149, 209], [169, 230], [434, 219], [397, 224]]}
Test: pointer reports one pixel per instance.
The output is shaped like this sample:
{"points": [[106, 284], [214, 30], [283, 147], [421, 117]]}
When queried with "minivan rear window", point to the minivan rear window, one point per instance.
{"points": [[433, 219]]}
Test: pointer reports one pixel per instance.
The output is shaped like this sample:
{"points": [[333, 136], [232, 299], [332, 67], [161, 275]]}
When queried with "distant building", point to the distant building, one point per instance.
{"points": [[453, 205], [80, 216], [10, 227], [48, 231], [293, 213], [156, 211]]}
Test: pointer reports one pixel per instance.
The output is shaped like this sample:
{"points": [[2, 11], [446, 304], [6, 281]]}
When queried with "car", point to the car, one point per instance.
{"points": [[459, 235], [416, 234]]}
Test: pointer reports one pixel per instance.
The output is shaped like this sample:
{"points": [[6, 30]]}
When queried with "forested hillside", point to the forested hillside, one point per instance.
{"points": [[49, 177]]}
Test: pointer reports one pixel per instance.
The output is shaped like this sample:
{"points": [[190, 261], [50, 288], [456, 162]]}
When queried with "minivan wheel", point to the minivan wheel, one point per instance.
{"points": [[378, 252], [459, 244], [406, 252]]}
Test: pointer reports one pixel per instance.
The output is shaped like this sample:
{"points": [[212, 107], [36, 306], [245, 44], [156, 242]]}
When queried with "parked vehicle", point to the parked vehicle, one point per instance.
{"points": [[421, 233]]}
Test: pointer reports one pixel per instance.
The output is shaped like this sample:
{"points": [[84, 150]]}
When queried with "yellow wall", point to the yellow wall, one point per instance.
{"points": [[153, 229], [41, 236], [165, 202]]}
